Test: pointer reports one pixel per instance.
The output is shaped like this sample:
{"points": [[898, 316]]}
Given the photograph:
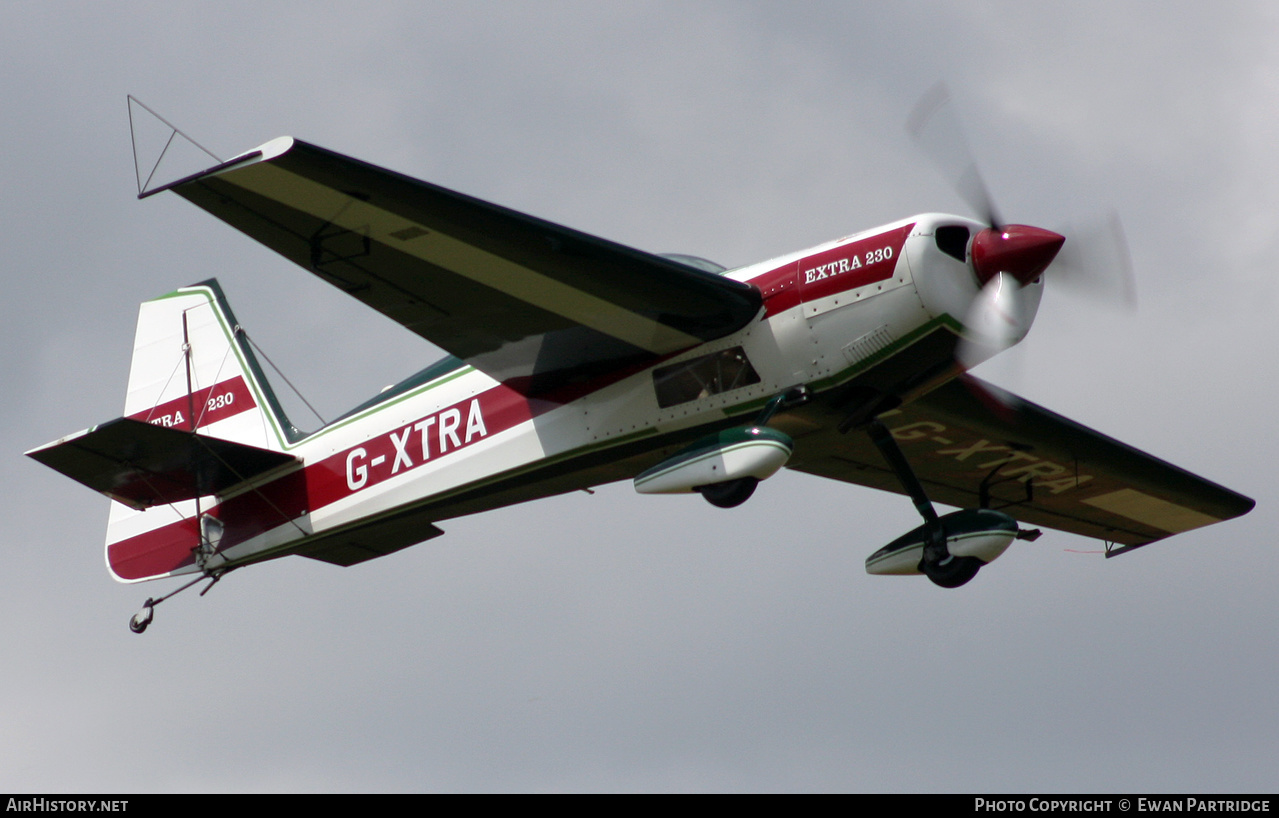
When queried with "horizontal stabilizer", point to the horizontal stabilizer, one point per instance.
{"points": [[142, 464]]}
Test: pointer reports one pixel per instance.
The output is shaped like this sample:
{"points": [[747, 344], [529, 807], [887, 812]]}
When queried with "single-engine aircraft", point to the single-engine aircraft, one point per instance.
{"points": [[574, 362]]}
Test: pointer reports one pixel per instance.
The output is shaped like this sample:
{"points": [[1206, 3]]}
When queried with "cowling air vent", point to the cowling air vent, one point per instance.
{"points": [[952, 239]]}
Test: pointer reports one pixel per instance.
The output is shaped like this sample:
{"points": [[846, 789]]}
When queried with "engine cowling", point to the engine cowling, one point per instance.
{"points": [[980, 534]]}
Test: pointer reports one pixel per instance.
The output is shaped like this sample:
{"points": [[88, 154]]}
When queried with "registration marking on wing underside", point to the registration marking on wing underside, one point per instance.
{"points": [[460, 258], [1152, 511]]}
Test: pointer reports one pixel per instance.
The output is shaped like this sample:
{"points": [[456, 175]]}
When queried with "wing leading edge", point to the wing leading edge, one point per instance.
{"points": [[536, 305], [1032, 463]]}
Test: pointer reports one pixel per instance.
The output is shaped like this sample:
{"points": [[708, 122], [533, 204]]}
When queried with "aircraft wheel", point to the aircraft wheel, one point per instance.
{"points": [[954, 572], [729, 494], [139, 621]]}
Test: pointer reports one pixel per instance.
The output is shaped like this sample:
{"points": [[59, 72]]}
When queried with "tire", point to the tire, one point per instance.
{"points": [[730, 494], [955, 572]]}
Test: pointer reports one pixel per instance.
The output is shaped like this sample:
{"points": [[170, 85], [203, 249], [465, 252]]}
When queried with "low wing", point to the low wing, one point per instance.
{"points": [[1031, 463], [144, 465], [537, 306]]}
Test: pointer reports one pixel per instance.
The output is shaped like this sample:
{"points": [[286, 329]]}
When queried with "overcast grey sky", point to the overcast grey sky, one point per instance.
{"points": [[613, 641]]}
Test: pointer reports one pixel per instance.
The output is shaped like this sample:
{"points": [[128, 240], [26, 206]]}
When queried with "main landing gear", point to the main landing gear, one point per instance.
{"points": [[949, 550], [725, 467], [733, 493]]}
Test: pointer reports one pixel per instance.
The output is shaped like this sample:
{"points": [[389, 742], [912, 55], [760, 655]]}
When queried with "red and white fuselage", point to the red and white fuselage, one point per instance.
{"points": [[457, 441]]}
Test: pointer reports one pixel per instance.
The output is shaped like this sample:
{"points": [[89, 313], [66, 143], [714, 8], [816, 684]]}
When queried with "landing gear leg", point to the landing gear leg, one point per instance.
{"points": [[938, 564], [139, 621]]}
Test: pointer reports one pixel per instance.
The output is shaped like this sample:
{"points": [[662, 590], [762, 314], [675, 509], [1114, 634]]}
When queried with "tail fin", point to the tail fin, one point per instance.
{"points": [[193, 369], [201, 422]]}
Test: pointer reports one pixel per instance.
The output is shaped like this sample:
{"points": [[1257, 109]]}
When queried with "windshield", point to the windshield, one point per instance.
{"points": [[703, 264]]}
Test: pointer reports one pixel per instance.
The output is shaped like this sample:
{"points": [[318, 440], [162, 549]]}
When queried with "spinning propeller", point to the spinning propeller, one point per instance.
{"points": [[1007, 257]]}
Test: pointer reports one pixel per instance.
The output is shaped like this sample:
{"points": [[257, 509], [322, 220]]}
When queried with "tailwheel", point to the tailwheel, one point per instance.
{"points": [[139, 621], [952, 571], [729, 494]]}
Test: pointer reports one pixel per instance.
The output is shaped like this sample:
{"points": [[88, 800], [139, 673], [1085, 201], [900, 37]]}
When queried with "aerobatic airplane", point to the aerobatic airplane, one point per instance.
{"points": [[574, 362]]}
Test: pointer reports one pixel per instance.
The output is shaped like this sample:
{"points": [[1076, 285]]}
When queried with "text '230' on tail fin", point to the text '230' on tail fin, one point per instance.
{"points": [[194, 370]]}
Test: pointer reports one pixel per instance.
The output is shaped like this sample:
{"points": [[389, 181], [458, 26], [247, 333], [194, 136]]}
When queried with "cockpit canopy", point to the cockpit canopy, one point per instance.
{"points": [[703, 264]]}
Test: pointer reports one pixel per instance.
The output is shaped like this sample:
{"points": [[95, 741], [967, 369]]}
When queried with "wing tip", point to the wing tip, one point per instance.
{"points": [[273, 149]]}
